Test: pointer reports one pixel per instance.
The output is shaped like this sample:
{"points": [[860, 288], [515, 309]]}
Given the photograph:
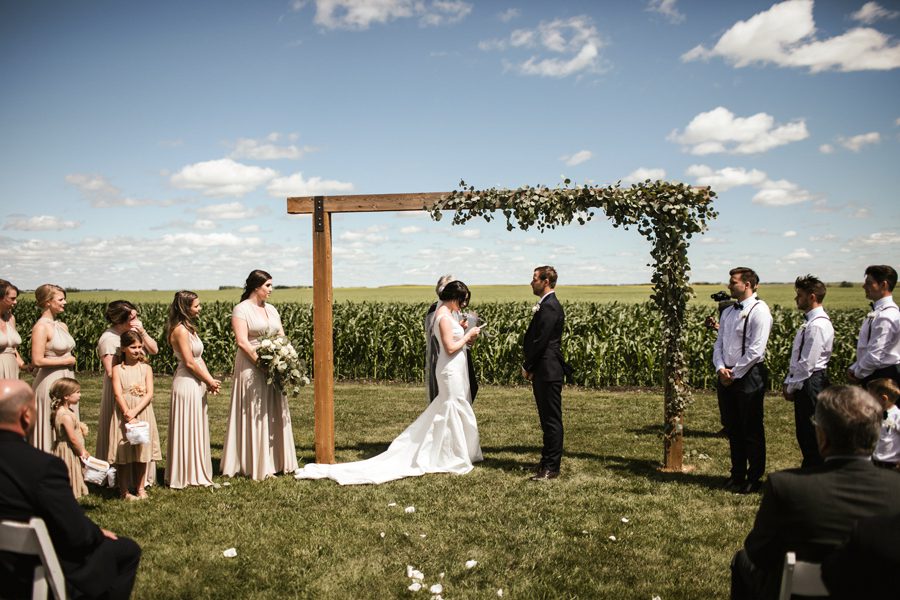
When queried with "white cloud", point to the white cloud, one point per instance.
{"points": [[222, 177], [881, 238], [204, 224], [790, 233], [97, 190], [268, 148], [785, 36], [468, 234], [724, 179], [509, 14], [209, 240], [569, 46], [667, 9], [857, 142], [798, 254], [361, 14], [826, 149], [828, 237], [410, 229], [249, 229], [719, 130], [38, 223], [295, 185], [577, 158], [781, 193], [226, 211], [369, 235], [643, 173], [871, 12]]}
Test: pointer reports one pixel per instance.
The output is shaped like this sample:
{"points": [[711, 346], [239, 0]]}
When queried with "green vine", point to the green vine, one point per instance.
{"points": [[667, 214]]}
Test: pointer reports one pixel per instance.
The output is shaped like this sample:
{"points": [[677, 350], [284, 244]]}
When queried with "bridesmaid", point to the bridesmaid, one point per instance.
{"points": [[51, 354], [258, 441], [10, 340], [188, 460], [121, 316]]}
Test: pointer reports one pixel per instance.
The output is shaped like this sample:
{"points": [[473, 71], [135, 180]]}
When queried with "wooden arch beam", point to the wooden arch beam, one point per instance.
{"points": [[321, 208]]}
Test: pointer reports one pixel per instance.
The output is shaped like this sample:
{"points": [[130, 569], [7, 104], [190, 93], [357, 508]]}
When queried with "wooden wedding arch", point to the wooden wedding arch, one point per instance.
{"points": [[666, 214]]}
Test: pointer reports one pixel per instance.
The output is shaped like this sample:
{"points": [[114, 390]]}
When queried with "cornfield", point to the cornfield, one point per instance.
{"points": [[607, 344]]}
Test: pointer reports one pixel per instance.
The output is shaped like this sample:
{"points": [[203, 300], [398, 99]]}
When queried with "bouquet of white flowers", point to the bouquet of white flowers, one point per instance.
{"points": [[283, 367]]}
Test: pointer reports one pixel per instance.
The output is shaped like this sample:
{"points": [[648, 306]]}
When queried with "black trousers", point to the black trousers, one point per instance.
{"points": [[121, 557], [804, 409], [548, 396], [884, 373], [742, 409], [749, 582]]}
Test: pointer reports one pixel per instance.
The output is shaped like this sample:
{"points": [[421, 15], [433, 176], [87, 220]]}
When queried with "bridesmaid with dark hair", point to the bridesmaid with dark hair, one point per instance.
{"points": [[10, 340], [122, 316], [259, 441], [188, 460], [51, 353]]}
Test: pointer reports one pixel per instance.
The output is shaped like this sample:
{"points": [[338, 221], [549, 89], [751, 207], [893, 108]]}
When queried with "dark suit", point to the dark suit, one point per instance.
{"points": [[809, 512], [866, 566], [36, 484], [544, 360]]}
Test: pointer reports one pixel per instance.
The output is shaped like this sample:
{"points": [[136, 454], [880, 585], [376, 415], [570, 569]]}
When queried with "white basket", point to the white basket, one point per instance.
{"points": [[137, 433], [95, 470]]}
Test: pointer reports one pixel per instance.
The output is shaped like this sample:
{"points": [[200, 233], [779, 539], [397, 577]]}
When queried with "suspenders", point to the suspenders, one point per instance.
{"points": [[803, 335], [744, 334]]}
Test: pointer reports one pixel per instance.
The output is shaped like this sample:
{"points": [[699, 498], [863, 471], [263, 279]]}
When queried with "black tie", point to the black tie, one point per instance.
{"points": [[872, 305], [738, 306]]}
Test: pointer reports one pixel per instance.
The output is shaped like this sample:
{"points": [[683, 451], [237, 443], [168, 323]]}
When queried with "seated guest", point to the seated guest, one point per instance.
{"points": [[866, 565], [810, 511], [95, 562], [887, 450]]}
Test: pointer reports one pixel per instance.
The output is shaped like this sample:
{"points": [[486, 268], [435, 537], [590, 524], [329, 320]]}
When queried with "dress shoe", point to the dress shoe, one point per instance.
{"points": [[734, 485], [544, 475], [750, 487]]}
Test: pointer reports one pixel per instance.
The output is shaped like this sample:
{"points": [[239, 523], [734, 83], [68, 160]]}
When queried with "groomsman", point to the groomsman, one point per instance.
{"points": [[545, 368], [878, 345], [742, 379], [808, 371]]}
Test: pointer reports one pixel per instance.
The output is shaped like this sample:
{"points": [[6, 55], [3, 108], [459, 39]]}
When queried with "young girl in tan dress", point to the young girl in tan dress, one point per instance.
{"points": [[69, 443], [132, 382]]}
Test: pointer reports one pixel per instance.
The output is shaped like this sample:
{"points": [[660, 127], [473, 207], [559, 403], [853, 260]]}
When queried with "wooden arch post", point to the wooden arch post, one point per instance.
{"points": [[321, 208]]}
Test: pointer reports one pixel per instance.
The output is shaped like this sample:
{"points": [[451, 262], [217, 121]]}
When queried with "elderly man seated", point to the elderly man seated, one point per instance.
{"points": [[810, 511], [95, 562]]}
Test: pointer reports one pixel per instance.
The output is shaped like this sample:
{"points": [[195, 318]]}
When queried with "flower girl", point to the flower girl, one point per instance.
{"points": [[69, 443], [132, 382]]}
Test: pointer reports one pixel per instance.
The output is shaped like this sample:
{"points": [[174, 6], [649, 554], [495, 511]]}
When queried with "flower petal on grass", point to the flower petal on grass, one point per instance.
{"points": [[625, 519], [417, 575], [436, 588], [409, 510], [382, 535], [612, 538], [470, 564], [392, 504], [230, 553], [415, 586], [500, 593]]}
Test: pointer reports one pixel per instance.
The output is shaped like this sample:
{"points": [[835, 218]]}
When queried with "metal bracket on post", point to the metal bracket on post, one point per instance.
{"points": [[319, 213]]}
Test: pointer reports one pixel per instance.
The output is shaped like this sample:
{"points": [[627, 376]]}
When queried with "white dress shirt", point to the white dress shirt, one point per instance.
{"points": [[754, 317], [811, 349], [878, 345]]}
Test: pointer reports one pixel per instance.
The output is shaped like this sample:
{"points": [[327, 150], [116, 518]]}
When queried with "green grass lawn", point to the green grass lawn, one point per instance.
{"points": [[315, 539], [779, 293]]}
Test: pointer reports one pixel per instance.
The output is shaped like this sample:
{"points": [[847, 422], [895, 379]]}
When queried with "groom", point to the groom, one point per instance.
{"points": [[545, 368]]}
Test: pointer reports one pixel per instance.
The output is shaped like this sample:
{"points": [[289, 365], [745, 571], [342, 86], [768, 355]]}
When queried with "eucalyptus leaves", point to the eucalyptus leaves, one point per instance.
{"points": [[667, 214]]}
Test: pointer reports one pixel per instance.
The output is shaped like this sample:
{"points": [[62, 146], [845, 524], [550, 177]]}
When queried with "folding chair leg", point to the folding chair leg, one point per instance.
{"points": [[39, 588]]}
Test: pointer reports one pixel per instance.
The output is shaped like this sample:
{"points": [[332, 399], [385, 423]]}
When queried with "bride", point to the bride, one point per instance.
{"points": [[444, 438]]}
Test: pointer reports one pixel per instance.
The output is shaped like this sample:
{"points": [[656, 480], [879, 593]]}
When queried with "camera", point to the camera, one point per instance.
{"points": [[720, 296]]}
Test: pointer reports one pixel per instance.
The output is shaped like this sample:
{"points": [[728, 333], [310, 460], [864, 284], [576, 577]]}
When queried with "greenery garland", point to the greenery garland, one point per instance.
{"points": [[667, 214]]}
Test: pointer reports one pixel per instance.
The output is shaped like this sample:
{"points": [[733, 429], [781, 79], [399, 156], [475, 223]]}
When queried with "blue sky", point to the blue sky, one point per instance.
{"points": [[152, 145]]}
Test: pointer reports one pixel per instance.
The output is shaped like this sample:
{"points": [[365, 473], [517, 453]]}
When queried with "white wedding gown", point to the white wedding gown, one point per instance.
{"points": [[443, 439]]}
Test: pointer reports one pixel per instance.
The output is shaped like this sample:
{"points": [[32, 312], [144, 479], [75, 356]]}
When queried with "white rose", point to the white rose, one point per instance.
{"points": [[266, 344], [282, 367]]}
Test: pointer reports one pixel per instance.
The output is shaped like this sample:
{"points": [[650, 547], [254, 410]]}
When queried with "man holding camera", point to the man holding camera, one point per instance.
{"points": [[808, 371], [742, 379]]}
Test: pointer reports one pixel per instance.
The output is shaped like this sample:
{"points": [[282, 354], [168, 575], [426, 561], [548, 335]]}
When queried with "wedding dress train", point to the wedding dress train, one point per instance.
{"points": [[443, 439]]}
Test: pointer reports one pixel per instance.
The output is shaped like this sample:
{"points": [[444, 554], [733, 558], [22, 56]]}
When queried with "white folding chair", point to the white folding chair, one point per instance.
{"points": [[801, 578], [32, 538]]}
